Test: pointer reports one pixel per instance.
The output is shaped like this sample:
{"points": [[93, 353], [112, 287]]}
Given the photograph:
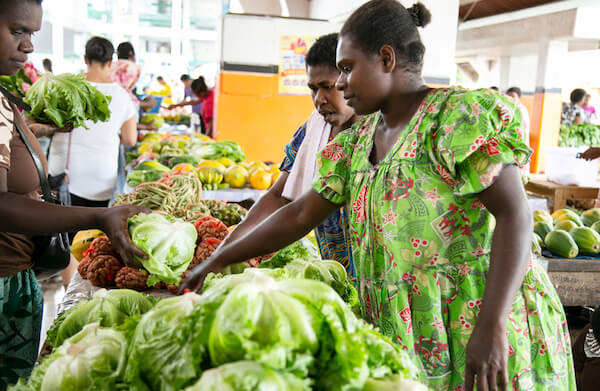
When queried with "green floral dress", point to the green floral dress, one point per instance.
{"points": [[421, 238]]}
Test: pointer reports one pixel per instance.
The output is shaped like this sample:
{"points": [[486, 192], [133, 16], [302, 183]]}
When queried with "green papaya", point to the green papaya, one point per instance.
{"points": [[596, 226], [542, 228], [560, 243], [542, 215], [590, 216], [587, 240], [566, 225]]}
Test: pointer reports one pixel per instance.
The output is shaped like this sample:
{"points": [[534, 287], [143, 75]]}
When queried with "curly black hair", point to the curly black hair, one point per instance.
{"points": [[577, 95], [199, 86], [125, 51], [322, 52], [387, 22], [99, 49], [516, 90]]}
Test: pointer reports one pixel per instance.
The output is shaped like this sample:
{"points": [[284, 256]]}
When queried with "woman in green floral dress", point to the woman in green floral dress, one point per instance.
{"points": [[439, 218]]}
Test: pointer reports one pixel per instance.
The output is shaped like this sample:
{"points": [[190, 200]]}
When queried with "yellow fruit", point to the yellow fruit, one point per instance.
{"points": [[226, 161], [182, 168], [82, 241], [260, 165], [260, 179], [236, 176], [212, 163]]}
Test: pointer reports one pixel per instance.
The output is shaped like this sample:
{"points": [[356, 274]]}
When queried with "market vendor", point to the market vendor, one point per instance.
{"points": [[440, 224], [206, 97], [331, 117], [23, 214]]}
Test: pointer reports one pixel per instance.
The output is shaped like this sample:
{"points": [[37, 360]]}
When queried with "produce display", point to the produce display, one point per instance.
{"points": [[20, 82], [218, 164], [579, 135], [567, 233], [260, 330], [66, 99]]}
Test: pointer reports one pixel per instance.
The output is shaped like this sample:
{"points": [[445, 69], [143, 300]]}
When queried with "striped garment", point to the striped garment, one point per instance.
{"points": [[332, 235]]}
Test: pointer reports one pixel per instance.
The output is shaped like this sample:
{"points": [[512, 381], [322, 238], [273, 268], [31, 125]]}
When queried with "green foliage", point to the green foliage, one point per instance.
{"points": [[66, 99], [579, 135], [169, 243]]}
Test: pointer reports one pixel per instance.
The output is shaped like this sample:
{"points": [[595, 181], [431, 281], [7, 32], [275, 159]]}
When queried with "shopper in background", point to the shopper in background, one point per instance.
{"points": [[125, 71], [440, 222], [590, 111], [586, 354], [92, 159], [331, 117], [573, 113], [165, 91], [23, 214], [205, 96], [47, 64], [188, 93], [515, 93]]}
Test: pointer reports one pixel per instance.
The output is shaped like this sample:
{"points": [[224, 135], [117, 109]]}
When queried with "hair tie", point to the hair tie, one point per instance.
{"points": [[415, 15]]}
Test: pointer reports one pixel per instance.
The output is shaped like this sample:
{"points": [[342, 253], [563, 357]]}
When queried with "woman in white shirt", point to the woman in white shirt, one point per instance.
{"points": [[91, 161]]}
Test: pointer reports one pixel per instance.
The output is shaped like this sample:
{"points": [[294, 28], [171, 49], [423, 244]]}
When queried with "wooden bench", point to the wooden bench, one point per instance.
{"points": [[559, 194]]}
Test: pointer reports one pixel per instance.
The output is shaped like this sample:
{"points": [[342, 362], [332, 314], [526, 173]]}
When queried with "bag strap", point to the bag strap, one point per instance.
{"points": [[38, 165]]}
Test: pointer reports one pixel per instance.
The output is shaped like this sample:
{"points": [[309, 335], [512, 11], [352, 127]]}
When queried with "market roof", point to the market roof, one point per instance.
{"points": [[474, 9]]}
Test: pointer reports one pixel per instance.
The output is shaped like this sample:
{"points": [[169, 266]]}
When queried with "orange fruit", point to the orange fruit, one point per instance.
{"points": [[260, 179], [275, 176]]}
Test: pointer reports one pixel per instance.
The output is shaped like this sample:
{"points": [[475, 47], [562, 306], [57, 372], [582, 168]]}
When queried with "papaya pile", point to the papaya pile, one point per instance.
{"points": [[567, 233]]}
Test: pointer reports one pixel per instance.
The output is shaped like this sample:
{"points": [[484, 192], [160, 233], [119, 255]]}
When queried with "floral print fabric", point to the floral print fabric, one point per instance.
{"points": [[421, 238]]}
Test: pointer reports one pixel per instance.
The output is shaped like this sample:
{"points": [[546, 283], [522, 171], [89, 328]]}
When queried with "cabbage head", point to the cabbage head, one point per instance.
{"points": [[169, 242], [92, 359], [108, 308], [248, 376], [164, 354], [301, 249]]}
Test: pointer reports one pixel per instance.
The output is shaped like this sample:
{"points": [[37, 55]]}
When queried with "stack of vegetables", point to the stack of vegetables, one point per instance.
{"points": [[261, 330], [181, 196], [219, 165], [579, 135], [566, 233], [170, 244]]}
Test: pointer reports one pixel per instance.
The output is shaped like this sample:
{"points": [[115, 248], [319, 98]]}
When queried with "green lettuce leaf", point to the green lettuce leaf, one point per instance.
{"points": [[169, 242], [248, 376], [93, 359], [66, 99], [302, 249], [164, 353], [108, 308]]}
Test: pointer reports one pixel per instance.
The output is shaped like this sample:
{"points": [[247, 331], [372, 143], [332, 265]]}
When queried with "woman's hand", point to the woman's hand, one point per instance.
{"points": [[591, 154], [113, 221], [487, 358], [194, 281], [47, 130]]}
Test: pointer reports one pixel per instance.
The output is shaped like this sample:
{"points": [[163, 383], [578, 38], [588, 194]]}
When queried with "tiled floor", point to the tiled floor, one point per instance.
{"points": [[53, 291]]}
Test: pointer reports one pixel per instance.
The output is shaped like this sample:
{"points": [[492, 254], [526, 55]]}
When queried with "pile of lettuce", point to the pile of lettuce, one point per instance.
{"points": [[202, 150], [579, 135], [256, 331], [66, 99], [169, 243]]}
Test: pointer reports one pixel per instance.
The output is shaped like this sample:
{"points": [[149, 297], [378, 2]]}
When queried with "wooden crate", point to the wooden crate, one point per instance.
{"points": [[576, 281], [559, 194]]}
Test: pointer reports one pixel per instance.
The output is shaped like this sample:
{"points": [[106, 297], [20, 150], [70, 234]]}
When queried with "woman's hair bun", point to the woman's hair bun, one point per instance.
{"points": [[420, 14]]}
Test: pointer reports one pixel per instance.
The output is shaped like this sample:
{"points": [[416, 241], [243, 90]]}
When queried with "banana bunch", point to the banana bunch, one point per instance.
{"points": [[212, 180]]}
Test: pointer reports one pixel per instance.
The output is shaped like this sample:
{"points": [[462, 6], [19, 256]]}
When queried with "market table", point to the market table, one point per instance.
{"points": [[229, 195], [559, 194], [577, 281]]}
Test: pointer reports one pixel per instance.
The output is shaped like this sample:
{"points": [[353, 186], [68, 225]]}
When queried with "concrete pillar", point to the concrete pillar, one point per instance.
{"points": [[547, 101], [504, 73]]}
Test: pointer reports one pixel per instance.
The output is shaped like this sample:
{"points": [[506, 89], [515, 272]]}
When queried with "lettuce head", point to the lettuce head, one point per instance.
{"points": [[169, 242], [248, 376]]}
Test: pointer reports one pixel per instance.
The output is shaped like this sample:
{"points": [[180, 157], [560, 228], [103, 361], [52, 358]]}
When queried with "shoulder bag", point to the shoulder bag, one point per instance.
{"points": [[52, 252]]}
